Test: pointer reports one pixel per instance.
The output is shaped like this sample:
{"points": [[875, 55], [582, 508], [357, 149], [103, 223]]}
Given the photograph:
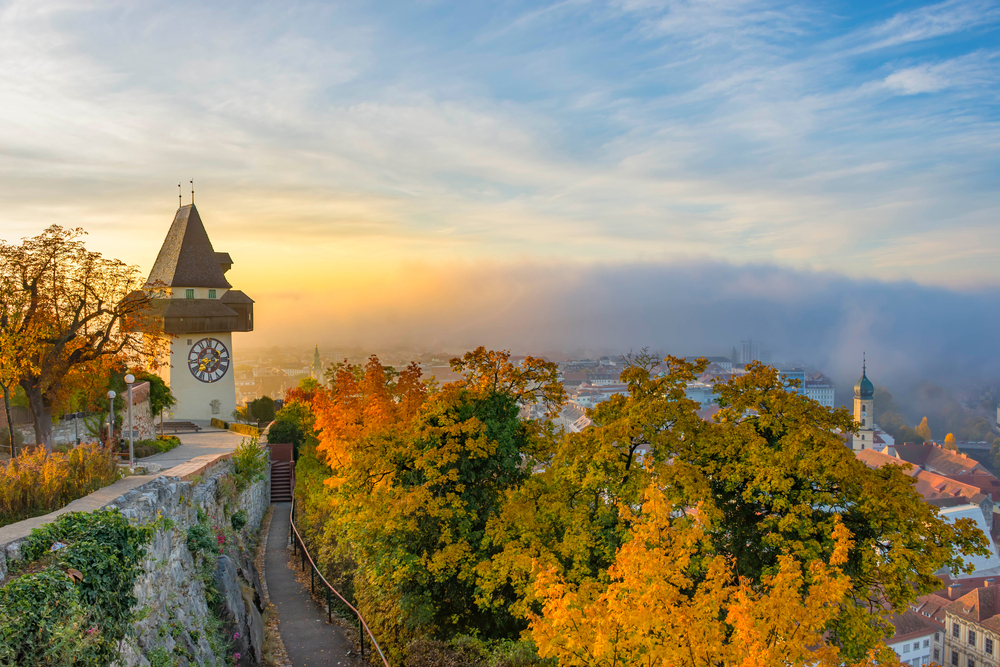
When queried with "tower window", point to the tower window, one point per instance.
{"points": [[189, 294], [862, 437], [211, 294], [862, 421]]}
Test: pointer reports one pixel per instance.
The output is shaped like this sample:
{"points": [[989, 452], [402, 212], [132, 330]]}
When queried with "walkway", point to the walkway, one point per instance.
{"points": [[309, 640], [209, 441]]}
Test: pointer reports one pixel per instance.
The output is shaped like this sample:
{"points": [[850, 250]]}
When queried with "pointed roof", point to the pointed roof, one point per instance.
{"points": [[864, 388], [186, 258]]}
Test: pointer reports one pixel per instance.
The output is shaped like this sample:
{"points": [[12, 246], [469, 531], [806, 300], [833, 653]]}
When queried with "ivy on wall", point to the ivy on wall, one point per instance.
{"points": [[70, 602]]}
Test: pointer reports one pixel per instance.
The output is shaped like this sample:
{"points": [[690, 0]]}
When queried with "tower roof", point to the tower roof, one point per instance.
{"points": [[186, 258], [864, 388]]}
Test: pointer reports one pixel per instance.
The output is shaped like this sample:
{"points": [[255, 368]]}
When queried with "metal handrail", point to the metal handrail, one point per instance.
{"points": [[314, 570]]}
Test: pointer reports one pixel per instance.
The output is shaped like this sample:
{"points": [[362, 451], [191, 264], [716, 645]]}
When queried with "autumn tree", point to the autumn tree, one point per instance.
{"points": [[669, 600], [418, 476], [924, 430], [770, 476], [77, 307], [949, 442]]}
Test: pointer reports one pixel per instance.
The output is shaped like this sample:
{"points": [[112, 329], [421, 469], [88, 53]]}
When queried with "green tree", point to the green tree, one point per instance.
{"points": [[995, 454], [262, 409]]}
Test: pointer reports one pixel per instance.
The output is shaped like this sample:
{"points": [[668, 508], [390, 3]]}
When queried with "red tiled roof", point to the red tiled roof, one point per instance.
{"points": [[874, 459], [909, 624]]}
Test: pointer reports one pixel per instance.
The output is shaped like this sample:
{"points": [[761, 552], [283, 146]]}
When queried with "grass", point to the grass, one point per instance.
{"points": [[34, 483]]}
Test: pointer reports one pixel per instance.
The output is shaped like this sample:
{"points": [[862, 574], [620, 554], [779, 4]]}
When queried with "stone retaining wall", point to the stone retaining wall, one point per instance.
{"points": [[174, 615]]}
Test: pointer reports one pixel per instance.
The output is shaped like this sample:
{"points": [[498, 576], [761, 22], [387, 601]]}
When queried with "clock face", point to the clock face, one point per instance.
{"points": [[208, 359]]}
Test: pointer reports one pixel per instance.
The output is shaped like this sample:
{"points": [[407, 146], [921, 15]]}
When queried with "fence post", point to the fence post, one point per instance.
{"points": [[361, 634], [329, 611], [312, 579]]}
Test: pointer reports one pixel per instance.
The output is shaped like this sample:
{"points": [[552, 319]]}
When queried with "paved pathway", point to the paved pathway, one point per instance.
{"points": [[209, 441], [309, 640]]}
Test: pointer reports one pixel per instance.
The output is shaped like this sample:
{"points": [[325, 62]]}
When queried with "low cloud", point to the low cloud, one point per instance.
{"points": [[909, 332]]}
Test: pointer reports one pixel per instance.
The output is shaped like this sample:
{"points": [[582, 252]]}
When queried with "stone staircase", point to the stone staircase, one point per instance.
{"points": [[281, 482]]}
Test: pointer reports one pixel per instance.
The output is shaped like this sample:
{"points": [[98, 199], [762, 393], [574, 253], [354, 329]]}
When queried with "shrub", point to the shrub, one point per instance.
{"points": [[34, 484], [467, 651], [163, 443], [249, 462], [245, 429], [238, 519], [77, 607], [286, 431], [200, 539], [218, 423]]}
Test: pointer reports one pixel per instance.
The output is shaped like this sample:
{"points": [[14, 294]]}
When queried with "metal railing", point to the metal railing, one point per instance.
{"points": [[299, 545]]}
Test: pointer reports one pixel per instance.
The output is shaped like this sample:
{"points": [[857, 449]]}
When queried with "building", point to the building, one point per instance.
{"points": [[750, 351], [820, 391], [864, 412], [702, 392], [913, 638], [972, 628], [725, 363], [197, 306]]}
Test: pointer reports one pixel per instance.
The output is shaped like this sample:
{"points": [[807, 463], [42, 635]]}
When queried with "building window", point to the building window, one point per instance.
{"points": [[971, 663], [972, 638], [906, 648], [954, 658], [862, 422], [916, 646], [927, 642], [189, 294], [937, 654], [955, 632], [988, 645], [211, 294]]}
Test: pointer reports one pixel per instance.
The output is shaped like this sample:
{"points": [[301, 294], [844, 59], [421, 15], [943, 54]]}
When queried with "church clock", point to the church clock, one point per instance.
{"points": [[208, 359]]}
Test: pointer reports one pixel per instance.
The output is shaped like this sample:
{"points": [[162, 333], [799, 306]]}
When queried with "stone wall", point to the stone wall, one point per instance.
{"points": [[173, 608]]}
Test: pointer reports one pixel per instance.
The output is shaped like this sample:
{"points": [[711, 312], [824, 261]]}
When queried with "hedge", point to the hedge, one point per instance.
{"points": [[245, 429], [218, 423]]}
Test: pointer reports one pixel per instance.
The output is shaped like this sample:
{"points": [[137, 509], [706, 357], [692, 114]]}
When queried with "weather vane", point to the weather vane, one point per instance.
{"points": [[192, 192], [179, 201]]}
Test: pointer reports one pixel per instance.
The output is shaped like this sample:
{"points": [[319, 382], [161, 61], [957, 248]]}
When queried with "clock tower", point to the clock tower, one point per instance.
{"points": [[199, 310]]}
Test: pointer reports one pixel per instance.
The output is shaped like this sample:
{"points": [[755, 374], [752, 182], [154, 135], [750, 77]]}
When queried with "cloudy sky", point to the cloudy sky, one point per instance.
{"points": [[365, 163]]}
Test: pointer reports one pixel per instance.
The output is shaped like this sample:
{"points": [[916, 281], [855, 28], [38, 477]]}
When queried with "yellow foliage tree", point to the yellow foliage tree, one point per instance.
{"points": [[669, 602], [949, 442], [924, 430]]}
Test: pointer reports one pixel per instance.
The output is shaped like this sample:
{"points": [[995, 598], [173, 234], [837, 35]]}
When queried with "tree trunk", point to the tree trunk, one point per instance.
{"points": [[10, 420], [40, 414]]}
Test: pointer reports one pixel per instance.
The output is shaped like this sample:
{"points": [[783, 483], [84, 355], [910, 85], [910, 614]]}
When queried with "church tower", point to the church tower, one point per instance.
{"points": [[864, 411], [201, 311]]}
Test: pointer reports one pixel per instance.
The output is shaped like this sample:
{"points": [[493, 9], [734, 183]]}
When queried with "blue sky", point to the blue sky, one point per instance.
{"points": [[847, 137]]}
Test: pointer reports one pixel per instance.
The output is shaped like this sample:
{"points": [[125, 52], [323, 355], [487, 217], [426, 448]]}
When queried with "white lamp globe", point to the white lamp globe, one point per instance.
{"points": [[112, 394], [129, 379]]}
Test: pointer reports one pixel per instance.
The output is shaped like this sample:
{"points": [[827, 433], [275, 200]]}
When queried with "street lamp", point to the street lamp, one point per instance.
{"points": [[129, 379], [111, 416]]}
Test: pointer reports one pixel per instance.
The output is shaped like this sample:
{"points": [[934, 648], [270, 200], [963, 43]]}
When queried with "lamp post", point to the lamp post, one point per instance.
{"points": [[129, 379], [111, 415]]}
